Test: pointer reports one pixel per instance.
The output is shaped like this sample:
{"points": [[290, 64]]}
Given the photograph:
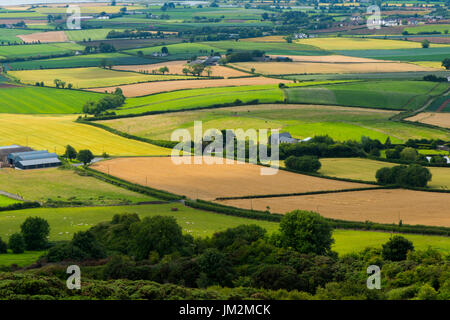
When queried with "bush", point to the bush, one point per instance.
{"points": [[17, 243], [304, 163], [396, 248], [408, 176], [35, 231]]}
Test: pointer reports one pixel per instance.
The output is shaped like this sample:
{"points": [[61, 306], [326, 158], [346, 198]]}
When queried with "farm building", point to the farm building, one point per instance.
{"points": [[33, 159], [6, 150]]}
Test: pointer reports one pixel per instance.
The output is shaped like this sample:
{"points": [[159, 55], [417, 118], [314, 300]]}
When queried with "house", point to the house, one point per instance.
{"points": [[284, 137]]}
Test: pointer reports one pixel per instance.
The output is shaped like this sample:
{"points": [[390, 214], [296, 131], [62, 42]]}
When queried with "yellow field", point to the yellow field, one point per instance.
{"points": [[332, 58], [383, 206], [434, 118], [53, 133], [271, 68], [45, 37], [361, 44], [265, 39], [430, 64], [88, 77]]}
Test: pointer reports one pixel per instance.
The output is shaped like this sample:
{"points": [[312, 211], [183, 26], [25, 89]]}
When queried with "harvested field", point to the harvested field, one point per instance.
{"points": [[44, 37], [272, 68], [176, 67], [434, 118], [210, 181], [383, 206], [146, 88]]}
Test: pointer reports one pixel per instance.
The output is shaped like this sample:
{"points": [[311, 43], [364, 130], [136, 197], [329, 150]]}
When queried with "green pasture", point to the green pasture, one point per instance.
{"points": [[197, 98], [86, 34], [54, 184], [37, 50], [10, 35], [365, 169], [428, 28], [22, 260], [5, 201], [23, 99], [397, 95], [302, 121], [418, 54], [91, 60], [268, 47], [64, 222]]}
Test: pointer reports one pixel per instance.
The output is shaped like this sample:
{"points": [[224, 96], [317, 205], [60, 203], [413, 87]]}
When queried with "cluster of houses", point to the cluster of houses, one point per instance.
{"points": [[25, 158]]}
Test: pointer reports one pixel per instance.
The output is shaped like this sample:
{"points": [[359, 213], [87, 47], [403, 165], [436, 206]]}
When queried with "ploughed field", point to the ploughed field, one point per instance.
{"points": [[211, 181], [383, 206], [433, 118]]}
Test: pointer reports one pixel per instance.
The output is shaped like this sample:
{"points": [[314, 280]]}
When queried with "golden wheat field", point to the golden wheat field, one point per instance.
{"points": [[45, 37], [146, 88], [54, 133], [434, 118], [211, 181], [176, 67], [383, 206], [271, 68], [333, 58]]}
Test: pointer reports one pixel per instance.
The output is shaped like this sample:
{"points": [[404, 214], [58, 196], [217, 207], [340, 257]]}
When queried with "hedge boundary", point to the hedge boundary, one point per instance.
{"points": [[21, 205]]}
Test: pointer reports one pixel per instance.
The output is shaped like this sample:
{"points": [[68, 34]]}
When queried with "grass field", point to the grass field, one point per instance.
{"points": [[64, 222], [5, 201], [85, 35], [383, 206], [433, 53], [147, 88], [434, 118], [276, 68], [430, 64], [89, 77], [429, 28], [38, 50], [53, 133], [91, 60], [10, 35], [365, 169], [408, 95], [302, 121], [22, 99], [197, 98], [64, 185], [210, 181], [333, 44]]}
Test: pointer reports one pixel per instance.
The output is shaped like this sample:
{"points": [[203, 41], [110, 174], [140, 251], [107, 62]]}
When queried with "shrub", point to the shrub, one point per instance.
{"points": [[17, 243], [3, 246], [396, 248], [304, 163], [409, 176]]}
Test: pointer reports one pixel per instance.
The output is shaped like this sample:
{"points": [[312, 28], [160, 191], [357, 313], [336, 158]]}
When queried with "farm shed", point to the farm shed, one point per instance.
{"points": [[34, 159], [5, 151]]}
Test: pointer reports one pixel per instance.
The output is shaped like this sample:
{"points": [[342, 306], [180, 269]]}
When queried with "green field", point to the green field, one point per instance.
{"points": [[10, 35], [44, 100], [302, 121], [197, 98], [5, 201], [55, 184], [22, 260], [397, 95], [64, 222], [89, 77], [429, 28], [91, 60], [85, 35], [38, 50], [365, 169], [420, 54]]}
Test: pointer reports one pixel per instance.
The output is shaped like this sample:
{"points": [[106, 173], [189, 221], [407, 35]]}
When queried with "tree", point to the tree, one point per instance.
{"points": [[216, 266], [396, 248], [88, 244], [208, 71], [85, 156], [3, 246], [164, 50], [70, 153], [425, 44], [35, 231], [17, 243], [164, 69], [446, 63], [306, 232], [158, 233], [409, 154]]}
